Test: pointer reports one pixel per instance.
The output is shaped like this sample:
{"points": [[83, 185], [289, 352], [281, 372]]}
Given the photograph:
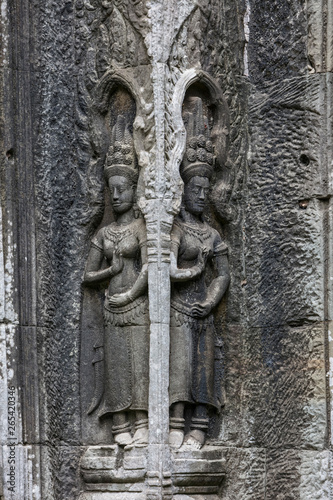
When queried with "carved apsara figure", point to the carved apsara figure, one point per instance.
{"points": [[118, 255], [200, 277]]}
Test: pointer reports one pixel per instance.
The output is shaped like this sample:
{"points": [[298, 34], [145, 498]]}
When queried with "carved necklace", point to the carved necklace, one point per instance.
{"points": [[116, 234], [202, 233]]}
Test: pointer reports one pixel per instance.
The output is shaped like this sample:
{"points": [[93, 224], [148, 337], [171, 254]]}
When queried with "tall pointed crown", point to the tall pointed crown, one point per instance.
{"points": [[120, 159], [199, 155]]}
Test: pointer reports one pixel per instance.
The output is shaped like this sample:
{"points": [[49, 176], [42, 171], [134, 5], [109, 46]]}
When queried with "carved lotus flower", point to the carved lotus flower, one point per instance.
{"points": [[117, 146], [117, 158], [193, 143], [201, 141], [202, 154], [128, 160], [210, 158], [209, 146], [191, 155]]}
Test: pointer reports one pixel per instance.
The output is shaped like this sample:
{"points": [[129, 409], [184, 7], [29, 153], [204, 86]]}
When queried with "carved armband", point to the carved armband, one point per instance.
{"points": [[95, 245], [221, 249], [130, 296]]}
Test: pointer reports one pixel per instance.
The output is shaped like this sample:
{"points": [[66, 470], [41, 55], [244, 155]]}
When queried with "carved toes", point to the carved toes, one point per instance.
{"points": [[140, 437], [123, 439], [176, 438], [195, 439]]}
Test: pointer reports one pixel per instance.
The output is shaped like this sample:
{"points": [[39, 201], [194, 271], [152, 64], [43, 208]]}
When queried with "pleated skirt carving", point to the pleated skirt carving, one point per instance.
{"points": [[126, 357]]}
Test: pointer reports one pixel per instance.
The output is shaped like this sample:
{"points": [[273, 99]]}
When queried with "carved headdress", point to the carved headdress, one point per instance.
{"points": [[120, 159], [199, 155]]}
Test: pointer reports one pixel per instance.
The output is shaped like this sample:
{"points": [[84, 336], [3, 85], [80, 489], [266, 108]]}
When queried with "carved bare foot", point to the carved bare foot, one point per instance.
{"points": [[195, 439], [140, 437], [176, 438], [123, 439]]}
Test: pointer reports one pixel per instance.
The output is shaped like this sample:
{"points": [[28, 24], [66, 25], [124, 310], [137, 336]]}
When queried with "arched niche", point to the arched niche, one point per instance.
{"points": [[215, 109], [115, 95], [197, 83]]}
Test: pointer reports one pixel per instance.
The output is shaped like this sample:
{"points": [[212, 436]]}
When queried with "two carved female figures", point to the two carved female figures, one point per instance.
{"points": [[197, 253]]}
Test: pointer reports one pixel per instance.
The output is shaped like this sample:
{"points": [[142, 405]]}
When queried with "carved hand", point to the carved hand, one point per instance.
{"points": [[120, 299], [201, 310], [117, 264]]}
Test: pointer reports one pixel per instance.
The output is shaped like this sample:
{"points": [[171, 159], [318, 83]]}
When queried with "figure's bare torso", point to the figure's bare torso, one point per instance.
{"points": [[194, 238], [124, 240]]}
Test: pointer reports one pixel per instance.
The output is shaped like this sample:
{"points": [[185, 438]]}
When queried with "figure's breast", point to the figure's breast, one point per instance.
{"points": [[128, 247], [189, 251], [123, 242], [192, 245]]}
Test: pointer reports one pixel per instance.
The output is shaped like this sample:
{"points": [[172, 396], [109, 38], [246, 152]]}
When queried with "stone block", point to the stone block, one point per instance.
{"points": [[297, 474], [245, 474], [284, 387], [199, 472]]}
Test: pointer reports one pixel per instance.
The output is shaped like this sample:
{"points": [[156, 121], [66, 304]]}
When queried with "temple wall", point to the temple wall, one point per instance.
{"points": [[270, 202]]}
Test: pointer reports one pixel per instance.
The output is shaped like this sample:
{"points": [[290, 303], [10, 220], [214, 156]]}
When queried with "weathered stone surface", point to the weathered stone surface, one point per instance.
{"points": [[284, 390], [278, 40], [271, 202], [246, 474], [293, 468]]}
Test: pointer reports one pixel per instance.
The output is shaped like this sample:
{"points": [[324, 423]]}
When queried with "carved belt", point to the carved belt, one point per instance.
{"points": [[123, 309]]}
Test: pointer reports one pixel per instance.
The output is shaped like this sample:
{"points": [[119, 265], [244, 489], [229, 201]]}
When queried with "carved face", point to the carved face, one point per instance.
{"points": [[122, 194], [195, 194]]}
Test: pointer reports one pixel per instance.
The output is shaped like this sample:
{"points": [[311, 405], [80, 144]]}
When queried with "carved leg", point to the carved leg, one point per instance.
{"points": [[177, 423], [121, 429], [195, 439], [140, 437]]}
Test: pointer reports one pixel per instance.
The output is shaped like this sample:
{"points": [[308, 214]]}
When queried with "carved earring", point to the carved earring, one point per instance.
{"points": [[182, 209], [136, 209]]}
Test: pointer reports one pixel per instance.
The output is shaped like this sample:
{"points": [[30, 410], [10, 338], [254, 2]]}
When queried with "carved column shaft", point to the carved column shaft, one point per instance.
{"points": [[164, 16]]}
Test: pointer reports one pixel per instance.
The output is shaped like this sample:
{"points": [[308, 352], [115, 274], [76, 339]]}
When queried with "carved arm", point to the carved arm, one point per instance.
{"points": [[94, 273], [219, 285], [139, 287], [178, 274], [216, 289]]}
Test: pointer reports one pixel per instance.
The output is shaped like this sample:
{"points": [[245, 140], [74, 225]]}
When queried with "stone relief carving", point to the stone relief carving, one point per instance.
{"points": [[274, 190], [107, 62], [198, 283], [118, 257], [195, 248]]}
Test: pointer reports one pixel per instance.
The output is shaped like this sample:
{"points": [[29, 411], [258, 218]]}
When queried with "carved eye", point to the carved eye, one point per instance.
{"points": [[191, 155], [126, 149], [202, 154]]}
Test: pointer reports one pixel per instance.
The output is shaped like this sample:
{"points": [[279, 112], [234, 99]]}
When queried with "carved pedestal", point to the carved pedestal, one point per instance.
{"points": [[198, 474], [111, 473]]}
